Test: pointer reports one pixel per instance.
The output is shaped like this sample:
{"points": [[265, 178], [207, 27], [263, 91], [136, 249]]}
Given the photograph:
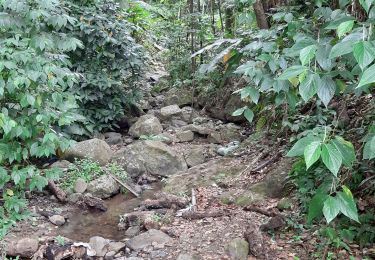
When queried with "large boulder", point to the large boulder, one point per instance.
{"points": [[179, 96], [146, 125], [147, 239], [103, 187], [94, 149], [24, 247], [100, 245], [150, 157]]}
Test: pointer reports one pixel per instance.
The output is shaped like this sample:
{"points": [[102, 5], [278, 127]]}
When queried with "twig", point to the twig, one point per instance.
{"points": [[266, 163], [193, 200], [59, 193], [126, 186]]}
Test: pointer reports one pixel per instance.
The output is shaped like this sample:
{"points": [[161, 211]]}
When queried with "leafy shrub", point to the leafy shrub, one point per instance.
{"points": [[109, 65], [34, 74]]}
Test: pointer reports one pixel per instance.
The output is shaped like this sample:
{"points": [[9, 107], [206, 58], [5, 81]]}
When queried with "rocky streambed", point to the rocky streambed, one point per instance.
{"points": [[198, 179]]}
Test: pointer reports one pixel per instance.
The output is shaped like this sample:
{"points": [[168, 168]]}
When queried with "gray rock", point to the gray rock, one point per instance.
{"points": [[132, 231], [187, 257], [146, 239], [179, 96], [202, 130], [100, 245], [177, 123], [24, 247], [215, 138], [150, 157], [185, 136], [230, 148], [74, 197], [94, 149], [62, 164], [110, 255], [57, 220], [80, 186], [195, 156], [238, 249], [188, 114], [112, 138], [146, 125], [116, 246], [170, 111], [103, 187]]}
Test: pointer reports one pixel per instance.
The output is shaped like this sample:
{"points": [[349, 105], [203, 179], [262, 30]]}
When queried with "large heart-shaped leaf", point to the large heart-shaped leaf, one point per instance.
{"points": [[326, 90], [300, 146], [331, 208], [309, 86], [364, 53], [312, 153], [292, 72], [307, 54], [368, 76]]}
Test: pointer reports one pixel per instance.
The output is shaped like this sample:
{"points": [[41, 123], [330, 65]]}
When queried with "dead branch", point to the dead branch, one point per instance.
{"points": [[261, 211], [207, 214], [92, 202], [59, 193], [266, 163], [126, 186], [165, 200]]}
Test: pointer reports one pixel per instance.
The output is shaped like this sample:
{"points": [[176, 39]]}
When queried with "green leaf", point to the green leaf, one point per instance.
{"points": [[346, 149], [252, 92], [344, 28], [368, 76], [249, 115], [239, 111], [307, 54], [30, 99], [292, 72], [369, 149], [316, 206], [347, 204], [341, 48], [364, 53], [322, 57], [331, 209], [299, 147], [308, 88], [326, 90], [331, 158], [366, 4], [312, 153]]}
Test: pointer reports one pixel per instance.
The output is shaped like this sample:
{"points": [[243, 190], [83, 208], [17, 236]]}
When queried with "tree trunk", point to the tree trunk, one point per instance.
{"points": [[229, 21], [260, 15], [221, 17], [213, 17]]}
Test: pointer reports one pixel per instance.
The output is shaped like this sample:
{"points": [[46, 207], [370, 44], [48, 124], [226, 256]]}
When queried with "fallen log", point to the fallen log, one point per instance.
{"points": [[57, 191], [126, 186], [261, 211], [191, 215], [165, 200], [256, 243]]}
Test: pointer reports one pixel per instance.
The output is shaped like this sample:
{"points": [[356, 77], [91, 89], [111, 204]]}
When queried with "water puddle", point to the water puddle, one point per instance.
{"points": [[85, 224]]}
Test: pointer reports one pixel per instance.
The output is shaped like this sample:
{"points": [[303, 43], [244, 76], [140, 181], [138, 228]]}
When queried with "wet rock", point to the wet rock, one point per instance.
{"points": [[146, 239], [150, 157], [80, 186], [94, 149], [238, 249], [62, 164], [100, 245], [112, 138], [132, 231], [103, 187], [170, 111], [228, 149], [146, 125], [195, 156], [187, 257], [25, 247], [57, 220], [185, 136]]}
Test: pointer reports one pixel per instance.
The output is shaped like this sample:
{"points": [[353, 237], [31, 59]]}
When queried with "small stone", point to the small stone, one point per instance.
{"points": [[113, 138], [62, 164], [74, 197], [214, 138], [57, 220], [80, 185], [116, 246], [195, 156], [185, 136], [110, 255], [187, 257], [284, 204], [103, 187]]}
